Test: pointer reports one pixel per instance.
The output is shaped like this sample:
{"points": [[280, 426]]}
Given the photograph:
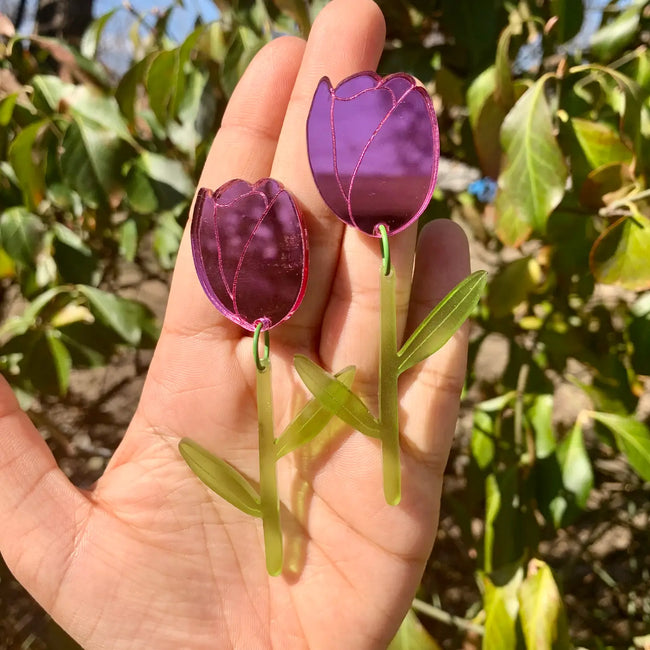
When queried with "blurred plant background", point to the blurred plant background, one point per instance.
{"points": [[106, 116]]}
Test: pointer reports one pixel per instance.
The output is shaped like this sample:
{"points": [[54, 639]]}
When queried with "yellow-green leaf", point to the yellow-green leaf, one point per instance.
{"points": [[533, 181]]}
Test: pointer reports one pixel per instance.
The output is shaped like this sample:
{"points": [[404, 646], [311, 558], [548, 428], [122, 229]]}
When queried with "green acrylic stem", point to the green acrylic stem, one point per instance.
{"points": [[270, 505], [388, 390]]}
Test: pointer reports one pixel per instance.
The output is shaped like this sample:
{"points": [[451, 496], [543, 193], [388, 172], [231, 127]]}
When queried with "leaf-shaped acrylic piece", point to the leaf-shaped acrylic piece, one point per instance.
{"points": [[439, 326], [373, 149], [310, 421], [221, 477], [336, 396], [250, 251]]}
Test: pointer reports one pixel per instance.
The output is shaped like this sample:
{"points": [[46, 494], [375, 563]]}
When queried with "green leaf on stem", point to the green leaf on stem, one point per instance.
{"points": [[310, 421], [600, 143], [125, 317], [620, 255], [610, 41], [540, 416], [21, 234], [91, 161], [90, 39], [29, 170], [334, 395], [221, 477], [486, 116], [577, 475], [533, 181], [61, 358], [501, 606], [412, 635], [443, 321], [632, 438], [540, 610]]}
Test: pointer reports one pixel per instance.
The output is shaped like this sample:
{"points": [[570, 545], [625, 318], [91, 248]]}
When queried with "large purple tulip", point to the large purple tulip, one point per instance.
{"points": [[250, 251], [373, 149]]}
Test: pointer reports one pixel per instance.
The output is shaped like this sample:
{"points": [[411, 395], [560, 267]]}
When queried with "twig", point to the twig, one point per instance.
{"points": [[444, 617]]}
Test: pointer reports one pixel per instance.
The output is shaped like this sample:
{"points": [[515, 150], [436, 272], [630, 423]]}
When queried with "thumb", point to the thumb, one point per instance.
{"points": [[40, 510]]}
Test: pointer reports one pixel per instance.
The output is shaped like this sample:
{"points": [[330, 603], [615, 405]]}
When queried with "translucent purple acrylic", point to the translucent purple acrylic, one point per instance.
{"points": [[373, 149], [250, 251]]}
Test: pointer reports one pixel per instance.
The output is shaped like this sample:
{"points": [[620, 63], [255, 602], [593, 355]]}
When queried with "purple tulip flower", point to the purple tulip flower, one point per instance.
{"points": [[250, 251], [373, 149]]}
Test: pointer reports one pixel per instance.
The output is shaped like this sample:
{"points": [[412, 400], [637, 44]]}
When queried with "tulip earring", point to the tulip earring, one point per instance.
{"points": [[250, 252], [373, 150]]}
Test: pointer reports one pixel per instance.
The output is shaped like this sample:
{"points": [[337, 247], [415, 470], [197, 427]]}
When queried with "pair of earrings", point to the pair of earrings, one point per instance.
{"points": [[373, 149]]}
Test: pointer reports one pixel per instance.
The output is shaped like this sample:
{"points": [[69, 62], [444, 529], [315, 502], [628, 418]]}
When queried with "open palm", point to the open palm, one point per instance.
{"points": [[150, 558]]}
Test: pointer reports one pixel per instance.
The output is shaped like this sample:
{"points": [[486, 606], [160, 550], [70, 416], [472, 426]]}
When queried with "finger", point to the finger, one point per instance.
{"points": [[431, 390], [347, 37], [352, 320], [243, 148], [40, 509]]}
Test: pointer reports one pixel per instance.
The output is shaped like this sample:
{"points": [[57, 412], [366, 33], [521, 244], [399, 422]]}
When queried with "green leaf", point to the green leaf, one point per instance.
{"points": [[620, 255], [336, 397], [540, 610], [504, 91], [139, 192], [512, 285], [71, 239], [244, 46], [412, 635], [533, 181], [167, 239], [21, 234], [161, 81], [540, 416], [298, 10], [91, 161], [166, 171], [499, 617], [220, 477], [610, 41], [90, 39], [310, 421], [443, 321], [126, 92], [125, 317], [486, 117], [29, 170], [600, 143], [18, 325], [482, 444], [632, 438], [61, 358], [577, 475], [7, 106], [492, 507], [99, 110], [128, 238]]}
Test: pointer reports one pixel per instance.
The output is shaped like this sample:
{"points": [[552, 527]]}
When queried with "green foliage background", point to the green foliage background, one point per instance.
{"points": [[97, 172]]}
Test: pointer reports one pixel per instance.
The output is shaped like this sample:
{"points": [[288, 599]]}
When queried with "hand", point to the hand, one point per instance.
{"points": [[150, 558]]}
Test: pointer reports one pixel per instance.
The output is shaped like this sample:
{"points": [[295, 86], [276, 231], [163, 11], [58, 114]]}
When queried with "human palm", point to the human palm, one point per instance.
{"points": [[150, 558]]}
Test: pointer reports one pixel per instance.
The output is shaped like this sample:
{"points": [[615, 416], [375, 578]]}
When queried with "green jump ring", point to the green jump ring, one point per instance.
{"points": [[385, 249], [263, 362]]}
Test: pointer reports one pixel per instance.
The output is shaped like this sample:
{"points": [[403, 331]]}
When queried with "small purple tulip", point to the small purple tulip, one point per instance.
{"points": [[250, 251], [373, 149]]}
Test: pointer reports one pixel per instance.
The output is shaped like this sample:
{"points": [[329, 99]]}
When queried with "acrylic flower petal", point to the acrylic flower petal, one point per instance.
{"points": [[373, 149], [250, 251]]}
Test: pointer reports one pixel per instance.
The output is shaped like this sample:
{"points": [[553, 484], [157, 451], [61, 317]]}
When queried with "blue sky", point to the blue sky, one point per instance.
{"points": [[183, 17]]}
